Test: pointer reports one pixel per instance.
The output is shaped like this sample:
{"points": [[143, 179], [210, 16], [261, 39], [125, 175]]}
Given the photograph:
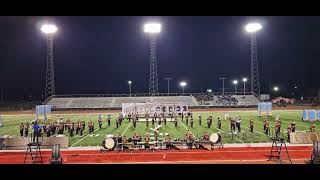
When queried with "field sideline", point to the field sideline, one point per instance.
{"points": [[12, 122]]}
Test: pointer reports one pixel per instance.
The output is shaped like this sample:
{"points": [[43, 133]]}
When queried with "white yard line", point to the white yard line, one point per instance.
{"points": [[187, 129], [86, 136], [126, 129]]}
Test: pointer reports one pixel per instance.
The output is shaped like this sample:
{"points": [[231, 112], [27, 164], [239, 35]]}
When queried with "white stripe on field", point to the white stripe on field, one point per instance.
{"points": [[86, 136], [126, 129]]}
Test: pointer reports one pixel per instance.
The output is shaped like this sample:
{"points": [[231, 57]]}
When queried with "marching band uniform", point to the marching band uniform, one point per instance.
{"points": [[26, 130], [267, 128], [191, 122], [187, 119], [312, 127], [205, 137], [264, 124], [199, 120], [277, 126], [251, 125], [289, 130], [100, 123], [219, 123], [21, 129], [293, 127], [109, 119], [175, 121]]}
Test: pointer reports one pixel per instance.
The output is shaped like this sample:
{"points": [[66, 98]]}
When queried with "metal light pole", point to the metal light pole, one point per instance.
{"points": [[130, 82], [235, 82], [183, 84], [168, 79], [223, 78], [153, 29], [244, 80], [253, 28], [49, 30]]}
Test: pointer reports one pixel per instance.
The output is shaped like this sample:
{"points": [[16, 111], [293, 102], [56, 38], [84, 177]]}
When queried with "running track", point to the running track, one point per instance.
{"points": [[227, 155]]}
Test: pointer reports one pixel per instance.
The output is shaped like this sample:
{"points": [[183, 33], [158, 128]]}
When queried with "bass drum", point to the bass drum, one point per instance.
{"points": [[214, 137], [109, 143]]}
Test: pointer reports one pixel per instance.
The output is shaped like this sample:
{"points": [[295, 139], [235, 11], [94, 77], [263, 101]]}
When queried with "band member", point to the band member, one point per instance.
{"points": [[167, 141], [219, 123], [147, 140], [238, 123], [165, 120], [289, 130], [147, 122], [264, 124], [152, 121], [135, 139], [187, 119], [60, 129], [267, 127], [232, 124], [189, 138], [100, 123], [81, 128], [205, 137], [48, 131], [109, 119], [134, 122], [277, 128], [21, 129], [91, 126], [200, 120], [78, 127], [312, 127], [72, 129], [26, 129], [159, 121], [191, 122], [83, 125], [53, 129], [293, 126], [117, 122], [251, 125], [209, 121], [129, 117], [175, 121], [156, 134]]}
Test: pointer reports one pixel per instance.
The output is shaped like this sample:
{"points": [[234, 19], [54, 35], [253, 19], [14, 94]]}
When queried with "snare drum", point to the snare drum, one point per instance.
{"points": [[109, 143]]}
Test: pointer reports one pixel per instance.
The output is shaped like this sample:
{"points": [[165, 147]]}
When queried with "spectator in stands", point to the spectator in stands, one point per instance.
{"points": [[21, 129]]}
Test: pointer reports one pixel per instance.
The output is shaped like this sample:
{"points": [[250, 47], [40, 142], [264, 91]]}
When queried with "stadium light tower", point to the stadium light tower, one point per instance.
{"points": [[49, 30], [209, 90], [153, 29], [235, 82], [244, 80], [253, 28], [168, 79], [183, 84], [223, 78], [130, 82]]}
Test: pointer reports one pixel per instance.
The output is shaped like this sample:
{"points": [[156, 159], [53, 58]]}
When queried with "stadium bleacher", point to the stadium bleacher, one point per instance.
{"points": [[113, 102]]}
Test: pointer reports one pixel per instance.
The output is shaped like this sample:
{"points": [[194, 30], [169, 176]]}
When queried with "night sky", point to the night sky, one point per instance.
{"points": [[100, 54]]}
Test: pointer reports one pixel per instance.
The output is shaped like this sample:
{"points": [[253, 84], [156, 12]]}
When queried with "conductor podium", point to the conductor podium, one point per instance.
{"points": [[278, 146]]}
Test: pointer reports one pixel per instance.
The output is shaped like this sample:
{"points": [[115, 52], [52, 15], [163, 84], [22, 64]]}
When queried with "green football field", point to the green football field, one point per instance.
{"points": [[12, 122]]}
